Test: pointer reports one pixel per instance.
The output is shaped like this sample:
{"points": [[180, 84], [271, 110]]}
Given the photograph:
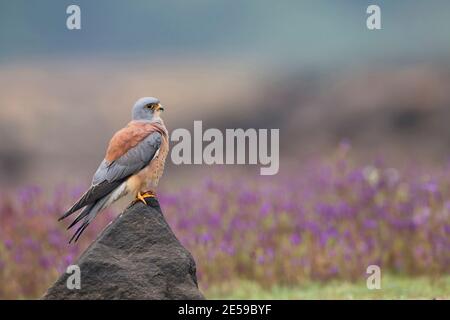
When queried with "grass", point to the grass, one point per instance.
{"points": [[392, 287]]}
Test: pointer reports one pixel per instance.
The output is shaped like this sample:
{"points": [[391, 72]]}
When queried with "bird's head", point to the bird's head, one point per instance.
{"points": [[147, 108]]}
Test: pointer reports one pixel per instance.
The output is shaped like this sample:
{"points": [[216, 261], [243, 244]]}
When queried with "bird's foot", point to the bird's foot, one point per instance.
{"points": [[143, 196]]}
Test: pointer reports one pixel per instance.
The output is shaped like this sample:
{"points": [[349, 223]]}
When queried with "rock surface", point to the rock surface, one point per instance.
{"points": [[136, 257]]}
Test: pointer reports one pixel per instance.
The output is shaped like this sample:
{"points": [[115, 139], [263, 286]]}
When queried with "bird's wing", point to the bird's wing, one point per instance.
{"points": [[131, 162], [130, 150]]}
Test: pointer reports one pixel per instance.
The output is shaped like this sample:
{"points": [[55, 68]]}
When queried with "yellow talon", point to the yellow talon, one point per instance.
{"points": [[141, 198]]}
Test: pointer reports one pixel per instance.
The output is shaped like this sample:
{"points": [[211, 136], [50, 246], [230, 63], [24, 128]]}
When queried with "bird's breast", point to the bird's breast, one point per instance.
{"points": [[149, 176]]}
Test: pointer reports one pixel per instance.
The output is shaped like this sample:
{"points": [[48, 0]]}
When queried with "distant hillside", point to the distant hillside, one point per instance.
{"points": [[55, 116]]}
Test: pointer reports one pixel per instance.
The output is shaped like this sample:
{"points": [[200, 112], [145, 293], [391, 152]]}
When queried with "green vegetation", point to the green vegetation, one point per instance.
{"points": [[393, 287]]}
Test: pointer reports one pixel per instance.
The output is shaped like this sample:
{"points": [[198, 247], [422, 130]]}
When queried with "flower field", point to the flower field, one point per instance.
{"points": [[326, 219]]}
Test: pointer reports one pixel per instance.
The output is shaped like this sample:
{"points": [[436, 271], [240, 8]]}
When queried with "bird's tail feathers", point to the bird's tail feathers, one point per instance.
{"points": [[87, 215], [90, 211], [93, 194], [76, 206]]}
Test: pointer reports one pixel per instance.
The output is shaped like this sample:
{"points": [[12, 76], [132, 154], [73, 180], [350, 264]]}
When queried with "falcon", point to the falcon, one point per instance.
{"points": [[133, 164]]}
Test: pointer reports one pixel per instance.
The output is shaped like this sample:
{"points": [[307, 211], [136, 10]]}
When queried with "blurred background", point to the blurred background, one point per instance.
{"points": [[364, 138]]}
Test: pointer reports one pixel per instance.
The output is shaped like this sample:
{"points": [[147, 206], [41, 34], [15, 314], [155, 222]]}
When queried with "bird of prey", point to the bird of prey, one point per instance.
{"points": [[133, 164]]}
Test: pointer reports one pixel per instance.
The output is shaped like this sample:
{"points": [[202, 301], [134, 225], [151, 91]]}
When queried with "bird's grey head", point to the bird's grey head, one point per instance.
{"points": [[147, 108]]}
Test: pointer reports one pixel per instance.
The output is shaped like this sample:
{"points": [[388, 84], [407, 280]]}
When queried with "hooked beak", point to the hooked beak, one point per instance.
{"points": [[159, 107]]}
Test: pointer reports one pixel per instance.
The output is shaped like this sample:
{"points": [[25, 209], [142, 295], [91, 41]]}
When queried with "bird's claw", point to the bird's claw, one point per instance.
{"points": [[141, 197]]}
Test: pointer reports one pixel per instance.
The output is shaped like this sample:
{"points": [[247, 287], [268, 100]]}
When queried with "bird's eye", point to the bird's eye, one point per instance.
{"points": [[153, 106]]}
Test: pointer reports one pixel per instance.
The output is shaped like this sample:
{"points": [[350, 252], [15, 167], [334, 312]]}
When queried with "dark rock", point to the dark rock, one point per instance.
{"points": [[136, 257]]}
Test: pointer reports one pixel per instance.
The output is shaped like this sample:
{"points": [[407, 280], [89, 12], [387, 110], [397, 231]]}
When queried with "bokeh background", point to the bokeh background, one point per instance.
{"points": [[364, 138]]}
